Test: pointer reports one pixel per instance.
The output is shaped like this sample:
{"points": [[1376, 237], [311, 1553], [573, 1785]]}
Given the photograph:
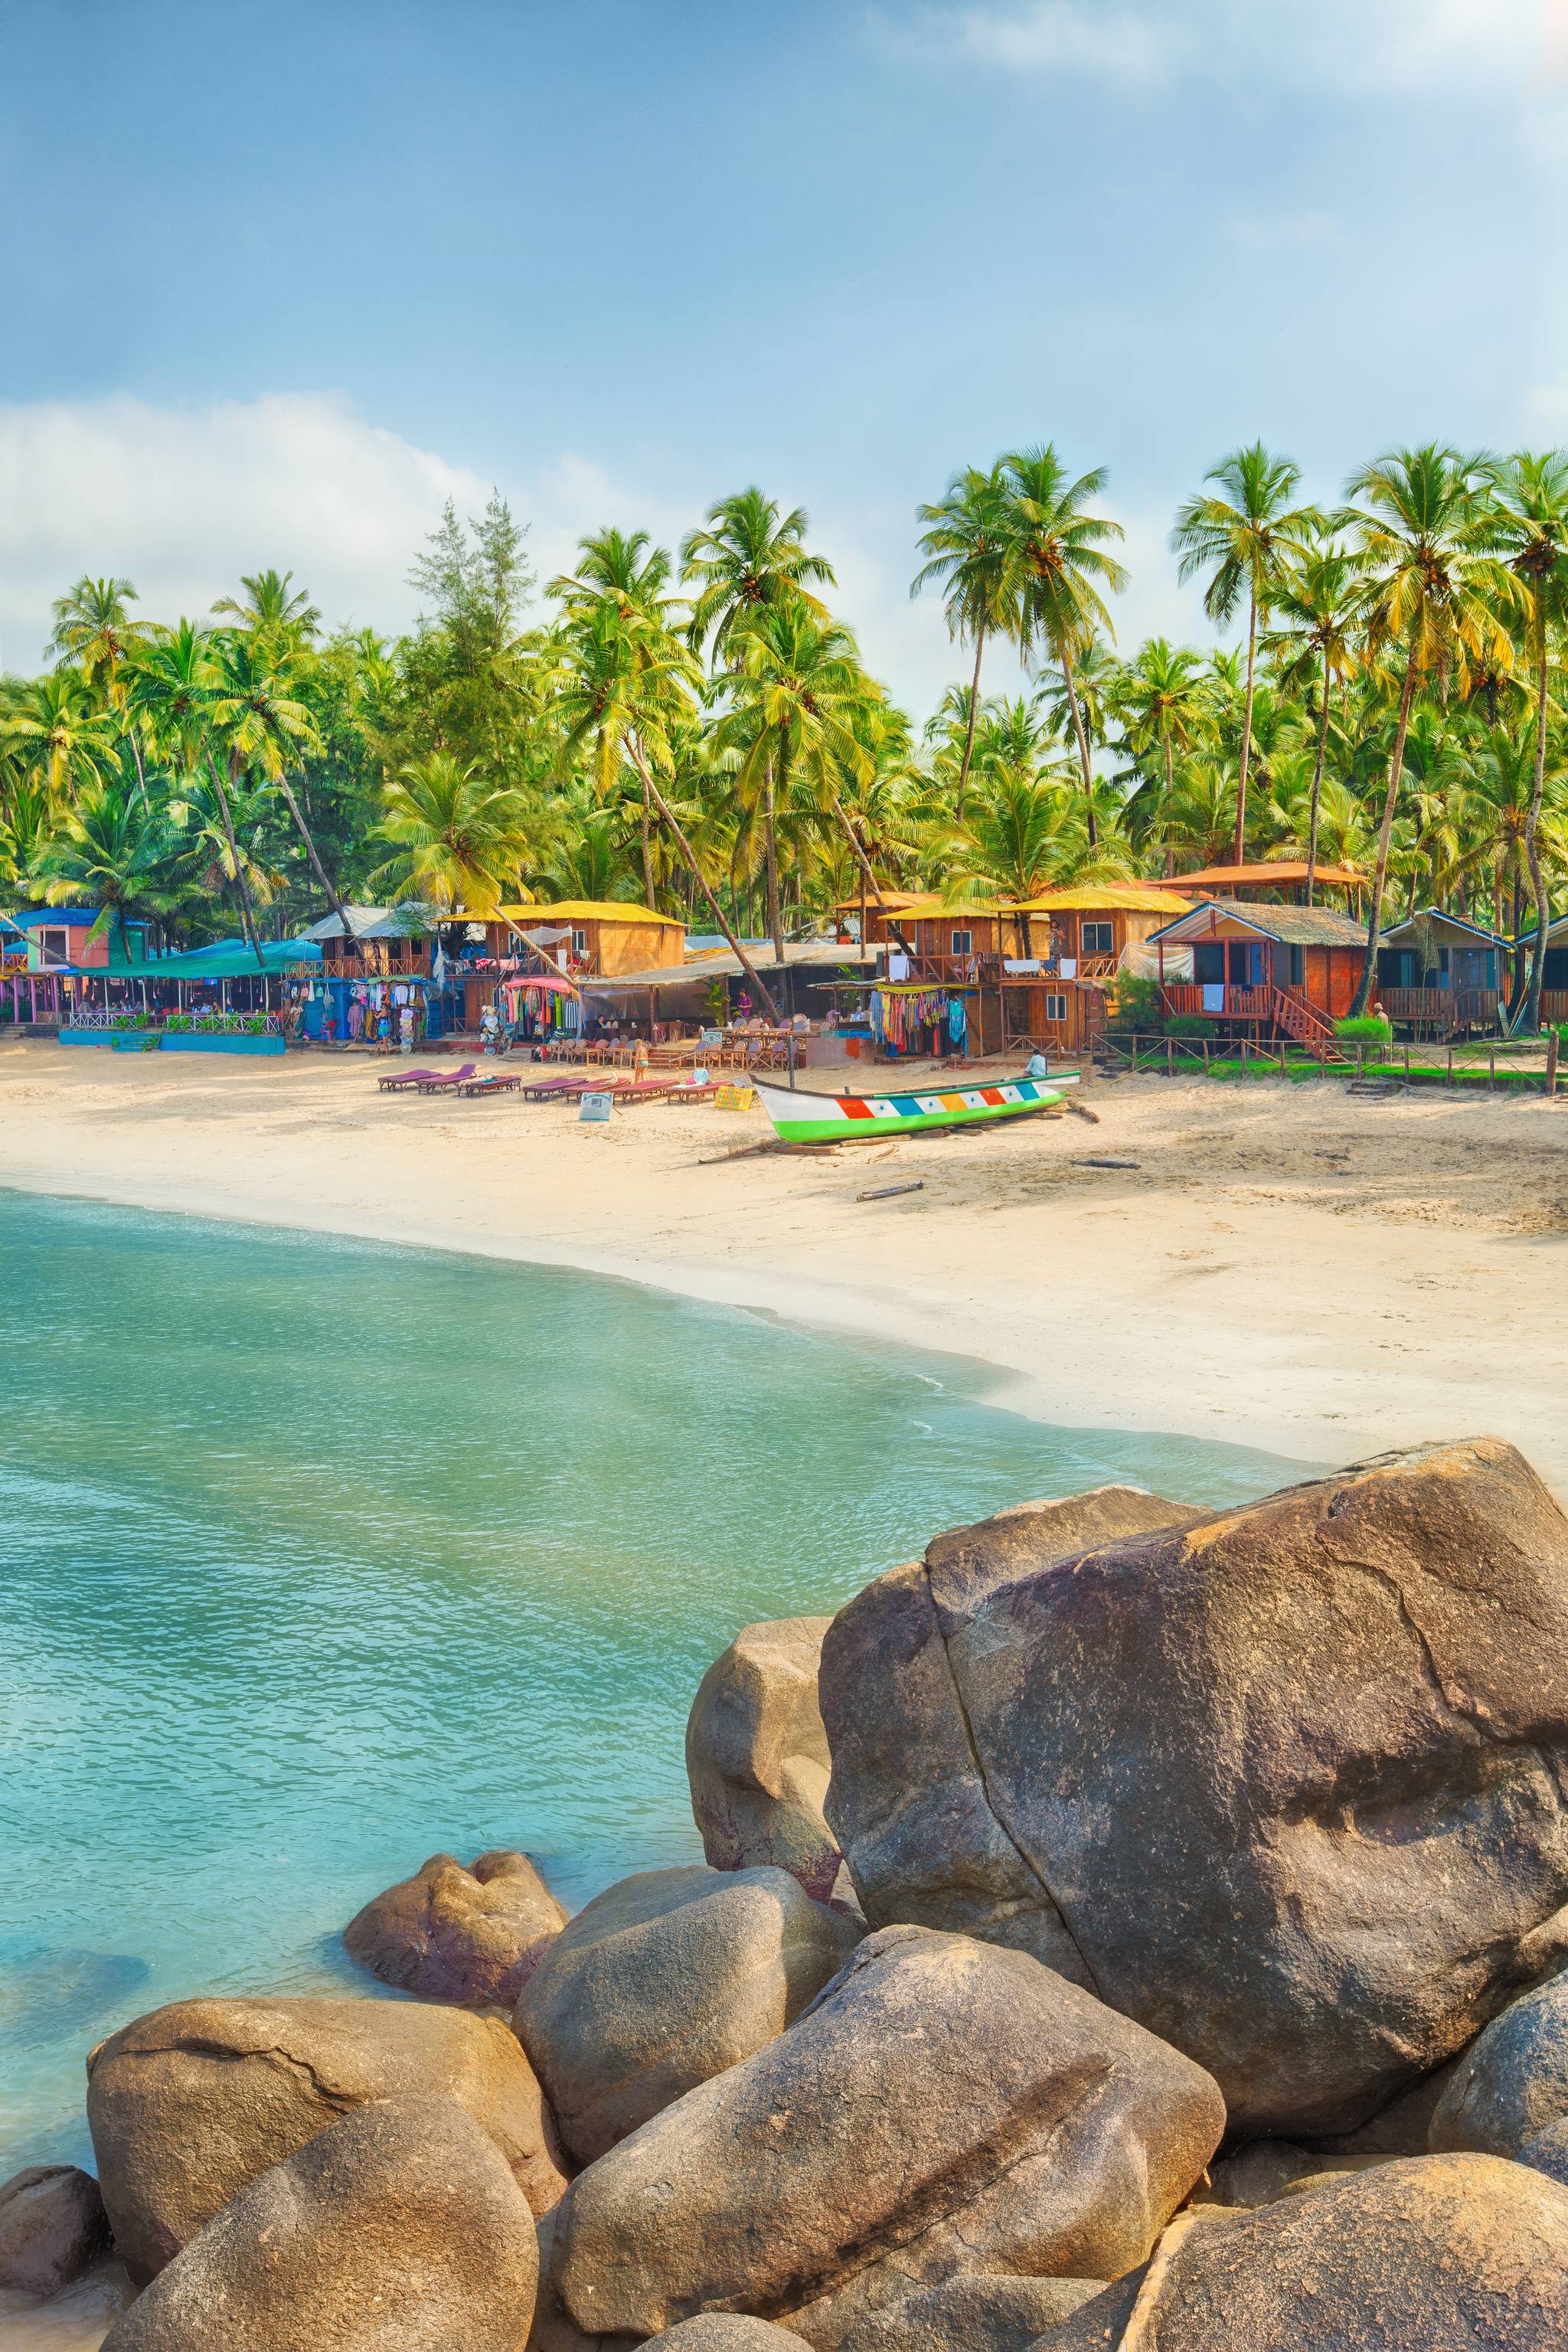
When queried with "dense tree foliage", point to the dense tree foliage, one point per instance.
{"points": [[696, 729]]}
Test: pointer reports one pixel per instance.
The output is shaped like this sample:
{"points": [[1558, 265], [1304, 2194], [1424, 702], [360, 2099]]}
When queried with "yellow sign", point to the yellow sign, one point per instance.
{"points": [[735, 1098]]}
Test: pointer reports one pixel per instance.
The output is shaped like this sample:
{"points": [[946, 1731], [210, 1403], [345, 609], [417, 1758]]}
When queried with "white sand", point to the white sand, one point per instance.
{"points": [[1290, 1267]]}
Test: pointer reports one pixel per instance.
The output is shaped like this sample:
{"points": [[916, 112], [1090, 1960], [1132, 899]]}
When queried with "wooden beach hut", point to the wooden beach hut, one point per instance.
{"points": [[598, 938], [1262, 972], [1068, 947], [1281, 878], [1439, 975]]}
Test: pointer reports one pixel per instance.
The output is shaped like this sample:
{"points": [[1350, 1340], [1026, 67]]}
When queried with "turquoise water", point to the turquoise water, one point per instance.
{"points": [[320, 1556]]}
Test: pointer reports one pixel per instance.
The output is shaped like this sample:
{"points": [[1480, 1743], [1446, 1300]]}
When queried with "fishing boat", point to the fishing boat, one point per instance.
{"points": [[800, 1114]]}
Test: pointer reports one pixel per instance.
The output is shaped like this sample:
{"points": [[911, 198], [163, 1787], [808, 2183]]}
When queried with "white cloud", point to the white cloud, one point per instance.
{"points": [[182, 501], [1370, 48]]}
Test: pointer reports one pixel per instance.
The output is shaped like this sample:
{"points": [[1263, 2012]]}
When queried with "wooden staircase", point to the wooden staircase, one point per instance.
{"points": [[1304, 1023]]}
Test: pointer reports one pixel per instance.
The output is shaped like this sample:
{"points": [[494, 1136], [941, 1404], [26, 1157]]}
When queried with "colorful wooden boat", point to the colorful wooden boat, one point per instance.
{"points": [[801, 1114]]}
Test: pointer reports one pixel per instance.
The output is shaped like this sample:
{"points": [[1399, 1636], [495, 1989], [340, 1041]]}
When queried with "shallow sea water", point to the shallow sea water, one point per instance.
{"points": [[318, 1557]]}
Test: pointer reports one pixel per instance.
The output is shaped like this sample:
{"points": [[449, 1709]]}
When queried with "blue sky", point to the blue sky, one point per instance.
{"points": [[277, 280]]}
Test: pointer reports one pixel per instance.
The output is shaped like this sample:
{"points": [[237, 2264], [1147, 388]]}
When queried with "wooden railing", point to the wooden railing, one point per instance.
{"points": [[1239, 1003], [1441, 1008], [406, 961]]}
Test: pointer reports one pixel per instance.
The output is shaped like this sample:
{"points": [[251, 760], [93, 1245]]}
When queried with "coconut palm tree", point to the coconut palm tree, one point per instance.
{"points": [[110, 848], [795, 691], [1530, 493], [1164, 705], [1435, 597], [1317, 598], [745, 556], [457, 838], [57, 735], [1058, 564], [1241, 536], [628, 691], [93, 632], [273, 608], [967, 544]]}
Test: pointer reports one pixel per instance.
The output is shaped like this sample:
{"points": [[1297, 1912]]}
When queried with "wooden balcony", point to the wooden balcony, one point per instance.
{"points": [[389, 959]]}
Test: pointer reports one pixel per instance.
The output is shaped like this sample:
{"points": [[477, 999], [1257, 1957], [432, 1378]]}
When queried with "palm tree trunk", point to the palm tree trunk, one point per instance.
{"points": [[1170, 795], [1532, 848], [690, 855], [1395, 767], [1317, 787], [868, 876], [1082, 741], [1239, 844], [969, 730], [303, 830], [646, 851], [247, 916], [771, 857]]}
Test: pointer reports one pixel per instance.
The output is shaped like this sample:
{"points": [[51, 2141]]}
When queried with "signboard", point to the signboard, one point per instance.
{"points": [[594, 1107]]}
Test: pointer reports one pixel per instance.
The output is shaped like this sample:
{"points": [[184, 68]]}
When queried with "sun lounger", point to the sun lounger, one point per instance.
{"points": [[556, 1089], [498, 1085], [642, 1090], [444, 1081], [399, 1078]]}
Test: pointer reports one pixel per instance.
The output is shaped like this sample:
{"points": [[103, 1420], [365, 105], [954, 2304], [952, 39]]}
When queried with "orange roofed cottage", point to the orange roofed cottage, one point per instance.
{"points": [[1069, 947], [1262, 971]]}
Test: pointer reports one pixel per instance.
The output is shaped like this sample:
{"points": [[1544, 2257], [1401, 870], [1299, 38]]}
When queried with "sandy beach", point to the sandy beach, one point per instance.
{"points": [[1287, 1266]]}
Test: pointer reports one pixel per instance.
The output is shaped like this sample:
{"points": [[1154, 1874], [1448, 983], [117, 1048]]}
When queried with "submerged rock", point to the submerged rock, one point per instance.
{"points": [[399, 2229], [473, 1937], [52, 2225], [945, 2107], [188, 2104], [756, 1755], [1424, 2255], [1205, 1771], [667, 1979], [1513, 2079]]}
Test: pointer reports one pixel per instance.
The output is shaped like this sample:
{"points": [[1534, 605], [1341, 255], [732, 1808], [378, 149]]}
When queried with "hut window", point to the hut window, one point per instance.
{"points": [[1056, 1008], [963, 943], [579, 942], [54, 947], [1208, 963], [1297, 964], [1097, 938]]}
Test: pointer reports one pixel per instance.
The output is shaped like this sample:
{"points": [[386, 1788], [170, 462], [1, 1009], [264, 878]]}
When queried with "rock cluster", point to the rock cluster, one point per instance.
{"points": [[1215, 1869]]}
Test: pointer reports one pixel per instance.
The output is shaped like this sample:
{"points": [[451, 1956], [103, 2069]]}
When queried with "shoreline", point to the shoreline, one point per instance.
{"points": [[1239, 1285]]}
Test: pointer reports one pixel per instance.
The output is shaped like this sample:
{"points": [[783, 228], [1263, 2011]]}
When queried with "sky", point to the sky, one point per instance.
{"points": [[277, 281]]}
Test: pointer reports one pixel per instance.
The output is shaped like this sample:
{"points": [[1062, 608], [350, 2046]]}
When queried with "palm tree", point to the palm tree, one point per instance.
{"points": [[1058, 565], [795, 693], [743, 557], [56, 735], [1317, 597], [1162, 700], [1241, 538], [256, 708], [94, 633], [112, 849], [628, 688], [628, 569], [967, 546], [274, 609], [457, 838], [1434, 596], [1531, 494]]}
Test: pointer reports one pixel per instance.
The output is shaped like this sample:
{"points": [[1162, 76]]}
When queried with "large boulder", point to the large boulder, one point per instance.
{"points": [[473, 1937], [908, 1800], [399, 2229], [945, 2107], [1513, 2079], [1437, 2253], [756, 1755], [1285, 1784], [979, 2311], [190, 2103], [727, 2331], [664, 1979], [1548, 2151], [52, 2225]]}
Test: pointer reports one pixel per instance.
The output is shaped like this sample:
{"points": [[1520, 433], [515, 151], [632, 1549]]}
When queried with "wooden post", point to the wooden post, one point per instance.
{"points": [[1450, 1077], [1170, 1057], [1552, 1042], [1206, 1057], [1491, 1069], [1407, 1065], [1135, 1052]]}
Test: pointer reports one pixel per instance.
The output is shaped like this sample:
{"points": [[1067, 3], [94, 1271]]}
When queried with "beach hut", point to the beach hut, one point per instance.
{"points": [[1262, 972], [1068, 947], [1554, 979], [1439, 975], [40, 945]]}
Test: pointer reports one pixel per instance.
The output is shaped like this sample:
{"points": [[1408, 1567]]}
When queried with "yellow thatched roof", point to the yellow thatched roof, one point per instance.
{"points": [[599, 910], [1105, 897]]}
